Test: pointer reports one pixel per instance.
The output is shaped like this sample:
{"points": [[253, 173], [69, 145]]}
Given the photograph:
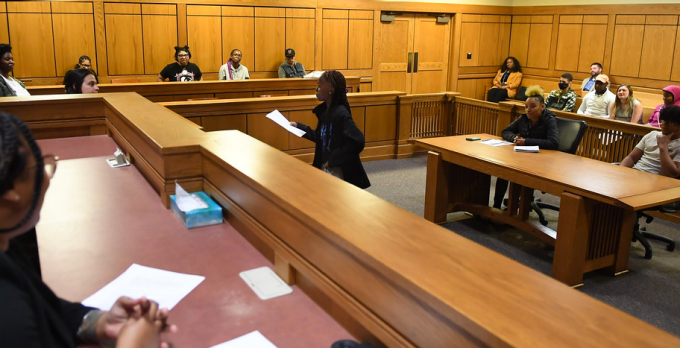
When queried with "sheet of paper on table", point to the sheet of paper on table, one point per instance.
{"points": [[252, 340], [282, 121], [165, 287], [495, 142]]}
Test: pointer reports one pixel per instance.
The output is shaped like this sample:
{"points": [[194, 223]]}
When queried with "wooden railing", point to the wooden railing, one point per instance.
{"points": [[423, 116]]}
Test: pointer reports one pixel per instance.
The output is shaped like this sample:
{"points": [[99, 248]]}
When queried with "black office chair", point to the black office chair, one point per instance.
{"points": [[642, 235], [571, 133]]}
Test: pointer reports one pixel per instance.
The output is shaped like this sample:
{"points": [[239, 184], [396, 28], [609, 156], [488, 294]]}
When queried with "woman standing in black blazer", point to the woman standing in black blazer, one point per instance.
{"points": [[338, 140]]}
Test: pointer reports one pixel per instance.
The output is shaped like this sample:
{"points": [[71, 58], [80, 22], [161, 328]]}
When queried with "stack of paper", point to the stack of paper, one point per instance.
{"points": [[495, 142], [526, 148]]}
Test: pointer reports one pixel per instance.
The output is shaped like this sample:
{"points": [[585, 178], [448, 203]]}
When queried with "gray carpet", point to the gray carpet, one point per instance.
{"points": [[650, 291]]}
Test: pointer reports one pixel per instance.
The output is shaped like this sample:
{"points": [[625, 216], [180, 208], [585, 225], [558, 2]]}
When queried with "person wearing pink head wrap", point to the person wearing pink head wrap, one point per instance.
{"points": [[671, 96]]}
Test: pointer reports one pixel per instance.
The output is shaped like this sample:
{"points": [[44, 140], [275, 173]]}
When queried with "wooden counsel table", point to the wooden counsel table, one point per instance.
{"points": [[597, 200]]}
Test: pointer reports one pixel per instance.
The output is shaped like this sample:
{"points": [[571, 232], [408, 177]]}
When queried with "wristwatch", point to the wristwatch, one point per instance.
{"points": [[87, 332]]}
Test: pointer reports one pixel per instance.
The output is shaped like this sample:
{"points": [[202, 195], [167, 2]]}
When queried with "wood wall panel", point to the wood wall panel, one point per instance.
{"points": [[155, 9], [119, 8], [228, 122], [4, 28], [238, 11], [200, 10], [76, 38], [307, 118], [270, 36], [205, 42], [360, 50], [592, 46], [72, 7], [263, 129], [160, 37], [301, 36], [657, 51], [675, 74], [381, 123], [274, 12], [503, 41], [540, 37], [28, 7], [469, 43], [519, 42], [32, 44], [568, 44], [239, 32], [627, 49], [335, 42], [488, 48]]}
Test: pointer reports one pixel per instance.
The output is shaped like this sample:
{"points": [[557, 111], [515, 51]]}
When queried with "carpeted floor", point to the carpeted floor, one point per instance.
{"points": [[649, 291]]}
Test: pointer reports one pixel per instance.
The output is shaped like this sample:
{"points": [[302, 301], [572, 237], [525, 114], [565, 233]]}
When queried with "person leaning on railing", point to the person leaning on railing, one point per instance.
{"points": [[536, 127], [671, 96], [506, 82], [659, 151]]}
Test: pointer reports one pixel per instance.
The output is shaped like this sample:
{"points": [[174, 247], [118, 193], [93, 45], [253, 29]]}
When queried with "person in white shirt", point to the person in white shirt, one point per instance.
{"points": [[9, 86], [234, 70], [658, 151], [598, 101]]}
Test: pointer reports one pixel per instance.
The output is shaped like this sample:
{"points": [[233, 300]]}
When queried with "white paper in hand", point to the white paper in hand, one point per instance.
{"points": [[252, 340], [282, 121], [165, 287], [187, 202]]}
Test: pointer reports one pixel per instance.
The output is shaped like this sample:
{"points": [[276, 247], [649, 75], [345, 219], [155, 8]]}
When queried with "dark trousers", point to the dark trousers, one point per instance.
{"points": [[497, 95], [499, 193]]}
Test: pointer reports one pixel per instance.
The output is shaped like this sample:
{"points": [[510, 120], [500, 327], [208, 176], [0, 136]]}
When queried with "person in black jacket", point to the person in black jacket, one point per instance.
{"points": [[536, 127], [31, 315], [338, 140]]}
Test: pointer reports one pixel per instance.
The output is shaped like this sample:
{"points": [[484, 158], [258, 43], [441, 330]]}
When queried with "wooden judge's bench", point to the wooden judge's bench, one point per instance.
{"points": [[384, 274]]}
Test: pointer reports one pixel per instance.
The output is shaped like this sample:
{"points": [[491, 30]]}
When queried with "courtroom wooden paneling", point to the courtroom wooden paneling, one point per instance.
{"points": [[519, 41], [657, 51], [627, 49], [470, 43], [394, 42], [592, 45], [307, 118], [205, 38], [675, 74], [270, 40], [217, 123], [30, 35], [300, 36], [360, 45], [76, 33], [159, 29], [239, 33], [431, 55], [540, 35], [380, 122], [263, 129], [124, 43], [335, 38], [568, 39]]}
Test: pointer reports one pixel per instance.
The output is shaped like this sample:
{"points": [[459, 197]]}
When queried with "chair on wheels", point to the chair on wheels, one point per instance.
{"points": [[642, 235], [571, 133]]}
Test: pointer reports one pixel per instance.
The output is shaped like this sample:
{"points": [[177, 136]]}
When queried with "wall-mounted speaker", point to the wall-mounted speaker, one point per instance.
{"points": [[387, 17]]}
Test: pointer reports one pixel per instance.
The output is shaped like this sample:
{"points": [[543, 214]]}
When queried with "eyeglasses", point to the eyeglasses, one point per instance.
{"points": [[182, 55], [50, 162]]}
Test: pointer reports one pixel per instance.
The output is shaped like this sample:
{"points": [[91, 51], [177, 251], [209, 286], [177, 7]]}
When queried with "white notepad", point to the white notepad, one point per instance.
{"points": [[526, 149], [265, 283], [252, 340]]}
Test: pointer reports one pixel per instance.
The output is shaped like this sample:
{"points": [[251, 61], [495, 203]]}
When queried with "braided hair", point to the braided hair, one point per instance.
{"points": [[13, 162], [339, 84]]}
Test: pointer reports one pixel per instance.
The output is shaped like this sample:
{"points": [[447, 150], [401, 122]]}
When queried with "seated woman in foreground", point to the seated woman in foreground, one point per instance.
{"points": [[626, 107], [80, 81], [31, 315], [536, 127], [671, 96], [506, 82]]}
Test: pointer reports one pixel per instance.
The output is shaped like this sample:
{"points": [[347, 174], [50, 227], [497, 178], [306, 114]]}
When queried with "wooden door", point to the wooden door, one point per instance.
{"points": [[431, 55], [395, 43]]}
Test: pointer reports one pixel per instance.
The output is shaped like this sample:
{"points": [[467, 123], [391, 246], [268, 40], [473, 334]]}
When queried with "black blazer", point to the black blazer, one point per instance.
{"points": [[347, 142], [31, 315], [543, 133]]}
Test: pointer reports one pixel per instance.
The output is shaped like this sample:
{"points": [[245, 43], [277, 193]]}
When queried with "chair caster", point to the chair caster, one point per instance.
{"points": [[648, 254], [670, 247]]}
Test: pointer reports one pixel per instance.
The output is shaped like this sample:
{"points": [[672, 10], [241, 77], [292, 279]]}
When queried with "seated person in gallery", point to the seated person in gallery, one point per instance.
{"points": [[588, 84], [598, 102], [564, 98], [536, 127], [182, 70], [657, 152], [291, 68], [506, 82], [338, 139], [84, 62], [233, 69], [9, 86], [671, 96], [31, 315], [80, 81], [626, 107]]}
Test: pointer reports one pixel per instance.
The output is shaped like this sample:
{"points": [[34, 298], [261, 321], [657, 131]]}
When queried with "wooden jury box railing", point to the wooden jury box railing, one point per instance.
{"points": [[177, 91], [389, 276]]}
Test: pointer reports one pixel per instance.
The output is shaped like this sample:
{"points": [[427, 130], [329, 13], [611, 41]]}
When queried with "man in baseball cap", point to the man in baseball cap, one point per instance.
{"points": [[598, 101], [291, 68]]}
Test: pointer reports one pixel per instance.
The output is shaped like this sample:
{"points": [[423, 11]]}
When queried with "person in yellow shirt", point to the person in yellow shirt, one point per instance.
{"points": [[506, 82]]}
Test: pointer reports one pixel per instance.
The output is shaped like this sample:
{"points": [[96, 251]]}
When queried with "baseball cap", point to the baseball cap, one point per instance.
{"points": [[602, 78], [290, 52]]}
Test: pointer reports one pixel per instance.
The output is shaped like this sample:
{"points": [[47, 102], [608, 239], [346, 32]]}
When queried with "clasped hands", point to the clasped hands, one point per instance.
{"points": [[519, 140], [135, 323]]}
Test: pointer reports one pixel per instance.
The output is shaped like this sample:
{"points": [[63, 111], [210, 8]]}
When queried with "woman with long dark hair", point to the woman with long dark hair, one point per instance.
{"points": [[506, 82], [338, 140], [80, 81]]}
